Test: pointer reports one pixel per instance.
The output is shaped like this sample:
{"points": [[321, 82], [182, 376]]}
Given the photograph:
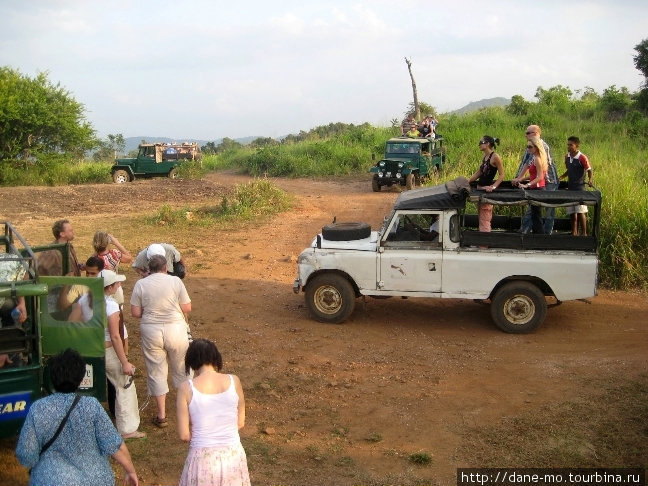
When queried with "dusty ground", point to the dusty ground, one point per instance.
{"points": [[350, 404]]}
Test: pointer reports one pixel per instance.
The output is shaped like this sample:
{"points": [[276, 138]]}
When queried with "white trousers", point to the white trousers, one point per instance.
{"points": [[127, 419]]}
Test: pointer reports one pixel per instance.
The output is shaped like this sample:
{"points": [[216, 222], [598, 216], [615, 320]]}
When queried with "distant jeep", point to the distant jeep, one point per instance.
{"points": [[154, 160], [408, 162]]}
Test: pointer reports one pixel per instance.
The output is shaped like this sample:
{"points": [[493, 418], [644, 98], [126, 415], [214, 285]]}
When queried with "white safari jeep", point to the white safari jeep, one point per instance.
{"points": [[430, 247]]}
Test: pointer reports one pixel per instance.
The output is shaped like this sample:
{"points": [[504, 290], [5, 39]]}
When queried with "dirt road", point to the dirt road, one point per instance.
{"points": [[403, 393]]}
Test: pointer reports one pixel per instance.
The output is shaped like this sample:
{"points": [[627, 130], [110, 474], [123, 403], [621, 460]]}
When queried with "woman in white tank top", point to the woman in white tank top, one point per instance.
{"points": [[211, 411]]}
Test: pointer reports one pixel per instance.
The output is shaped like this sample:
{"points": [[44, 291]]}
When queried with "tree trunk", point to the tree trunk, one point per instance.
{"points": [[417, 109]]}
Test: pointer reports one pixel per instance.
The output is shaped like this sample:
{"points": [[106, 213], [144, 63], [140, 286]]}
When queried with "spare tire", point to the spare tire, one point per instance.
{"points": [[346, 231]]}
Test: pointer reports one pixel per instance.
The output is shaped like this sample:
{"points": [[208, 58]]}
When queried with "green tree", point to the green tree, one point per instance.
{"points": [[641, 63], [209, 148], [228, 144], [109, 148], [616, 102], [263, 142], [425, 109], [557, 98], [38, 117], [518, 105], [641, 59]]}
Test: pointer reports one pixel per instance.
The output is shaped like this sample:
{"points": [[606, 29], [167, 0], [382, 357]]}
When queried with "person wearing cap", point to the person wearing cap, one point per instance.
{"points": [[119, 370], [166, 250], [162, 302]]}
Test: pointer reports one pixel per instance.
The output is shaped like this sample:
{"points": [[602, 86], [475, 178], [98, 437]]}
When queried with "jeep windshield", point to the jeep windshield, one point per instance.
{"points": [[402, 148]]}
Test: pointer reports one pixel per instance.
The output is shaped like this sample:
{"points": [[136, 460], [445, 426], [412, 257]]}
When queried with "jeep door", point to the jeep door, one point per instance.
{"points": [[62, 327], [411, 257]]}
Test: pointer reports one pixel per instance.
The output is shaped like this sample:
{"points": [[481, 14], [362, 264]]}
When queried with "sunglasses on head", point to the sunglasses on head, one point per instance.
{"points": [[529, 133], [482, 141]]}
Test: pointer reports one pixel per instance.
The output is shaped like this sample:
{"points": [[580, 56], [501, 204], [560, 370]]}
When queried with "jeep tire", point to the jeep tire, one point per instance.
{"points": [[120, 176], [330, 298], [518, 307], [173, 173], [346, 231]]}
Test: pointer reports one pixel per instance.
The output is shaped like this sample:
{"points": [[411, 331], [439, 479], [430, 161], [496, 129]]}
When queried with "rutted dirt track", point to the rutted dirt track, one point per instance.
{"points": [[330, 404]]}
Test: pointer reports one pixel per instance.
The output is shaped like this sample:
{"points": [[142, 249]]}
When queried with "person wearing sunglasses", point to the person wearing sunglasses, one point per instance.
{"points": [[551, 180], [491, 165], [537, 173]]}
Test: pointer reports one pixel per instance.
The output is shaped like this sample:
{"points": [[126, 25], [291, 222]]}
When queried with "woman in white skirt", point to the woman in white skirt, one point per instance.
{"points": [[211, 411]]}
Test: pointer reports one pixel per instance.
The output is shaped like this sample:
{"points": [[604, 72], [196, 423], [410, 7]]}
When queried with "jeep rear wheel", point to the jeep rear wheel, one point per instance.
{"points": [[375, 185], [518, 307], [346, 231], [410, 182], [120, 176], [330, 298], [173, 173]]}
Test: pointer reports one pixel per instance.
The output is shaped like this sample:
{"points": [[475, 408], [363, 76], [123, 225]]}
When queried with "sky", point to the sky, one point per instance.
{"points": [[208, 69]]}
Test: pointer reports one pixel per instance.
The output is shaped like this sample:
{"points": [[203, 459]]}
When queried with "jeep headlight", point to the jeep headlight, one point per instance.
{"points": [[381, 163], [400, 165]]}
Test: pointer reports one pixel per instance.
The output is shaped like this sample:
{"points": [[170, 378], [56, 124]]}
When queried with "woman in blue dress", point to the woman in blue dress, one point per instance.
{"points": [[79, 455]]}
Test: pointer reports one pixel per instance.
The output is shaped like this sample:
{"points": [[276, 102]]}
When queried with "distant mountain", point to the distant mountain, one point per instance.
{"points": [[476, 105], [132, 143]]}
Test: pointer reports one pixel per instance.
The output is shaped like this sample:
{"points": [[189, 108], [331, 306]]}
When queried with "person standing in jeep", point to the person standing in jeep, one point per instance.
{"points": [[577, 164]]}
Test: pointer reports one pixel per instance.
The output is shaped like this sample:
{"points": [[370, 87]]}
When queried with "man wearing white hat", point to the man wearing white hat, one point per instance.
{"points": [[175, 265]]}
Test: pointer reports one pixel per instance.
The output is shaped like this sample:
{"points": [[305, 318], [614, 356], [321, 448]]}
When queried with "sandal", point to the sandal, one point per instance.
{"points": [[160, 422], [134, 435]]}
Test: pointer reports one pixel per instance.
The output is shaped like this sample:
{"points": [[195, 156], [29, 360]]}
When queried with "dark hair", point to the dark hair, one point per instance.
{"points": [[201, 352], [67, 370], [157, 263], [492, 142], [95, 261], [58, 227], [574, 139]]}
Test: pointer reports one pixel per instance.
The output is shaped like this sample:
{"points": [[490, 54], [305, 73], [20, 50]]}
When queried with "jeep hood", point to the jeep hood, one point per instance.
{"points": [[369, 243]]}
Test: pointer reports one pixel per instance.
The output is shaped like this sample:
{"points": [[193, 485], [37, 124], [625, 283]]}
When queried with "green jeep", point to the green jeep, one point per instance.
{"points": [[154, 160], [25, 347], [408, 162]]}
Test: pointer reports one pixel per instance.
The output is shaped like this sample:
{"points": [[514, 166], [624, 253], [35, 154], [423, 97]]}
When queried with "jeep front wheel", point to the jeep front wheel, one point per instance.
{"points": [[121, 176], [518, 307], [173, 173], [330, 298]]}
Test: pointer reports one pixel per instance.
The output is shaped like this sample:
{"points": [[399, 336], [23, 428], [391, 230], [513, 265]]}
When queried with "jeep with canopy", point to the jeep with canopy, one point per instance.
{"points": [[154, 160], [408, 162], [430, 246], [26, 347]]}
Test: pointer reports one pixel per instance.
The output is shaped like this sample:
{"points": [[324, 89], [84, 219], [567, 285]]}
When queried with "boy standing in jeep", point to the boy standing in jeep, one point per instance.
{"points": [[577, 164]]}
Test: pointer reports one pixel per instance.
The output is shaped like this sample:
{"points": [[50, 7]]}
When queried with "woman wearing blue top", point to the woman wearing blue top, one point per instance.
{"points": [[79, 455]]}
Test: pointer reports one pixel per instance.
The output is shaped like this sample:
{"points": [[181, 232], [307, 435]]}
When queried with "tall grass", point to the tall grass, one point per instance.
{"points": [[342, 154], [53, 171], [251, 201]]}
